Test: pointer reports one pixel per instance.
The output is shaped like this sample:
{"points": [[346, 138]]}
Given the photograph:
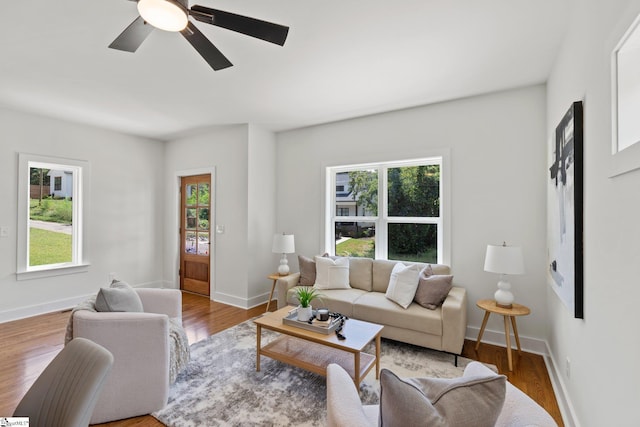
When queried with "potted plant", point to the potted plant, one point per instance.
{"points": [[304, 295]]}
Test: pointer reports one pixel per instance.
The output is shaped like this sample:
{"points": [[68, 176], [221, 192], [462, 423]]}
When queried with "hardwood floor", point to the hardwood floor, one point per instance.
{"points": [[29, 345]]}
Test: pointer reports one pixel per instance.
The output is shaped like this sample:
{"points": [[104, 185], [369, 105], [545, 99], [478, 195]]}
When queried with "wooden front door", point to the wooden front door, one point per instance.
{"points": [[195, 233]]}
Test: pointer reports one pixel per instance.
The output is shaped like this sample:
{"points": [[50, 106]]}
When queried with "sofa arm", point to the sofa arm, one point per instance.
{"points": [[139, 342], [283, 284], [454, 320], [162, 301]]}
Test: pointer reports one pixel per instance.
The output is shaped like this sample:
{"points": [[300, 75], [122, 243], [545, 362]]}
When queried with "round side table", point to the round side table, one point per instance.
{"points": [[489, 306]]}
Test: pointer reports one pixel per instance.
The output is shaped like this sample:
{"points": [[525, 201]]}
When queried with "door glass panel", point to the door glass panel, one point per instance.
{"points": [[190, 242], [203, 243], [191, 222], [203, 194], [191, 195], [203, 218]]}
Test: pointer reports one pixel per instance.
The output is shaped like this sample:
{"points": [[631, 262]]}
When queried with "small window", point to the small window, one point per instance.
{"points": [[50, 217]]}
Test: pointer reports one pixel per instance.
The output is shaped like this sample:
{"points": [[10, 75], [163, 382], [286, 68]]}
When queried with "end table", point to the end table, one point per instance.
{"points": [[490, 306], [274, 277]]}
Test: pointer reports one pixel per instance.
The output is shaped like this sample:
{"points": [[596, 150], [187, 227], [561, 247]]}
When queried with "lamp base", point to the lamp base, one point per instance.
{"points": [[283, 268], [503, 296], [504, 305]]}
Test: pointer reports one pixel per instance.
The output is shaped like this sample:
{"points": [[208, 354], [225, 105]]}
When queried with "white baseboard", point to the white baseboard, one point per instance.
{"points": [[562, 397], [531, 345], [57, 305], [44, 308], [230, 300]]}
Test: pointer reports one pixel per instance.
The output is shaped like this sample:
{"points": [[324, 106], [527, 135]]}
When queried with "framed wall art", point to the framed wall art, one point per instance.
{"points": [[565, 211]]}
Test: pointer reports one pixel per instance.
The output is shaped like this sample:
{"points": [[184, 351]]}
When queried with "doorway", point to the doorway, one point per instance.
{"points": [[195, 233]]}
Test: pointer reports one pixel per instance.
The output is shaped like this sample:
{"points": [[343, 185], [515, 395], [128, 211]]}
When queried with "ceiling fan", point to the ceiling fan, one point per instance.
{"points": [[173, 15]]}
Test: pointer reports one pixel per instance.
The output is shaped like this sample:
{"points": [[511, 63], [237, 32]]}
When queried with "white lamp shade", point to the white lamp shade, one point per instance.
{"points": [[167, 15], [283, 244], [504, 260]]}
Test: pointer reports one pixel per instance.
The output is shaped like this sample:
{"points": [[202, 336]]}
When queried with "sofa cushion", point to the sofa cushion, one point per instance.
{"points": [[382, 272], [360, 273], [375, 307], [119, 297], [437, 401], [433, 290], [332, 273], [403, 283]]}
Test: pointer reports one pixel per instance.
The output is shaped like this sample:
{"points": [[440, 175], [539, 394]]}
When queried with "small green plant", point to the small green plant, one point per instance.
{"points": [[306, 294]]}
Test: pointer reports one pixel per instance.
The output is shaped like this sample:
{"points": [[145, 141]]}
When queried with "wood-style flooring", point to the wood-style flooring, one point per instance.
{"points": [[29, 345]]}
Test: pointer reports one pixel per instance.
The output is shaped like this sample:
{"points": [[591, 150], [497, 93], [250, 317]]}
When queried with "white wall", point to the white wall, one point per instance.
{"points": [[225, 149], [261, 213], [603, 380], [498, 171], [124, 215], [244, 198]]}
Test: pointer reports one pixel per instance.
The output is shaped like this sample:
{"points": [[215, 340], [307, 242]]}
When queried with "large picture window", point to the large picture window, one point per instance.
{"points": [[50, 216], [389, 210]]}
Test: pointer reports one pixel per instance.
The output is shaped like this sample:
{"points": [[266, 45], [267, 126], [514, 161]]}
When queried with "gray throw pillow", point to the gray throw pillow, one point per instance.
{"points": [[433, 290], [464, 401], [307, 270], [119, 297]]}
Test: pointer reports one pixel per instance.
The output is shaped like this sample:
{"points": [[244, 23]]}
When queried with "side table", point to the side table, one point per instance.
{"points": [[274, 277], [489, 306]]}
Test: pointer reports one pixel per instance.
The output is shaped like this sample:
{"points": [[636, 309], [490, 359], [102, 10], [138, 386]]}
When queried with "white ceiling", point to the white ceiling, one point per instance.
{"points": [[342, 59]]}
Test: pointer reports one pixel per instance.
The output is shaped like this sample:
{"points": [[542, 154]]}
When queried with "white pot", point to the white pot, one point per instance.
{"points": [[305, 313]]}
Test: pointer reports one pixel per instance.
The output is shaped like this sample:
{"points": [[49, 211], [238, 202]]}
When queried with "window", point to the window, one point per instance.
{"points": [[390, 210], [50, 217]]}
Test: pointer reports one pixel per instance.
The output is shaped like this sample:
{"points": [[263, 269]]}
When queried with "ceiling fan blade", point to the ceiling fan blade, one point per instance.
{"points": [[133, 36], [257, 28], [205, 48]]}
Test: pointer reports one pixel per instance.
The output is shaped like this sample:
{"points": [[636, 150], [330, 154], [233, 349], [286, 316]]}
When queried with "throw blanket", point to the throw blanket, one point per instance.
{"points": [[179, 353]]}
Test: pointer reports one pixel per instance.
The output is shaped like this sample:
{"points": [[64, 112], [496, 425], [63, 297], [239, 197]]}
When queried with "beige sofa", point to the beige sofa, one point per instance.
{"points": [[344, 408], [441, 329]]}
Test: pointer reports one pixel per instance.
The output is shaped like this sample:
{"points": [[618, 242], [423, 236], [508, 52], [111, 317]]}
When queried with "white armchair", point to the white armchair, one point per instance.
{"points": [[140, 344]]}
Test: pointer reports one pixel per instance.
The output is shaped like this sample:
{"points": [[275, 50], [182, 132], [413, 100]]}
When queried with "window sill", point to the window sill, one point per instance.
{"points": [[52, 271]]}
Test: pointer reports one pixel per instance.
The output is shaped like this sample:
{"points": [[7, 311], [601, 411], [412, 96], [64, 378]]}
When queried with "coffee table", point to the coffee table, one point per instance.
{"points": [[314, 351]]}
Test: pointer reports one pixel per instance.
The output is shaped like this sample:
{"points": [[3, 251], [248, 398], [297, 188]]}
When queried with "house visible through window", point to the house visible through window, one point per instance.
{"points": [[389, 210], [50, 234]]}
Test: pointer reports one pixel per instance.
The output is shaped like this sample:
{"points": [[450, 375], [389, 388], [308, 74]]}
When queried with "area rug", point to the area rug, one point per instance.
{"points": [[221, 387]]}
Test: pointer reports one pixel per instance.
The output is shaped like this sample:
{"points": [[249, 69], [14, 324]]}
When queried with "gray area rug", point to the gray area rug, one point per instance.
{"points": [[221, 387]]}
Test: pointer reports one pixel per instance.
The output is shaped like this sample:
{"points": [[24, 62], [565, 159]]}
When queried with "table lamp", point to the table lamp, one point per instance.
{"points": [[504, 260], [283, 244]]}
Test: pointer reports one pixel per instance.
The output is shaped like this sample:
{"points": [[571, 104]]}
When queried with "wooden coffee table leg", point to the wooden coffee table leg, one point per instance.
{"points": [[378, 356], [258, 336], [356, 367]]}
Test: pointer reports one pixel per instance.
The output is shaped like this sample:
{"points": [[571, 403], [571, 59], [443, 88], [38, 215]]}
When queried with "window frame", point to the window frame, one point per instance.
{"points": [[382, 220], [81, 172]]}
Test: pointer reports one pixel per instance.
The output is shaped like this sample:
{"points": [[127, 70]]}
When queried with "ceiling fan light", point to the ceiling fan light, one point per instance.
{"points": [[167, 15]]}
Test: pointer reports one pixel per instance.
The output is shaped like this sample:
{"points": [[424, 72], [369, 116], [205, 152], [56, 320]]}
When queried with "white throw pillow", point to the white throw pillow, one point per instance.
{"points": [[403, 284], [332, 273]]}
